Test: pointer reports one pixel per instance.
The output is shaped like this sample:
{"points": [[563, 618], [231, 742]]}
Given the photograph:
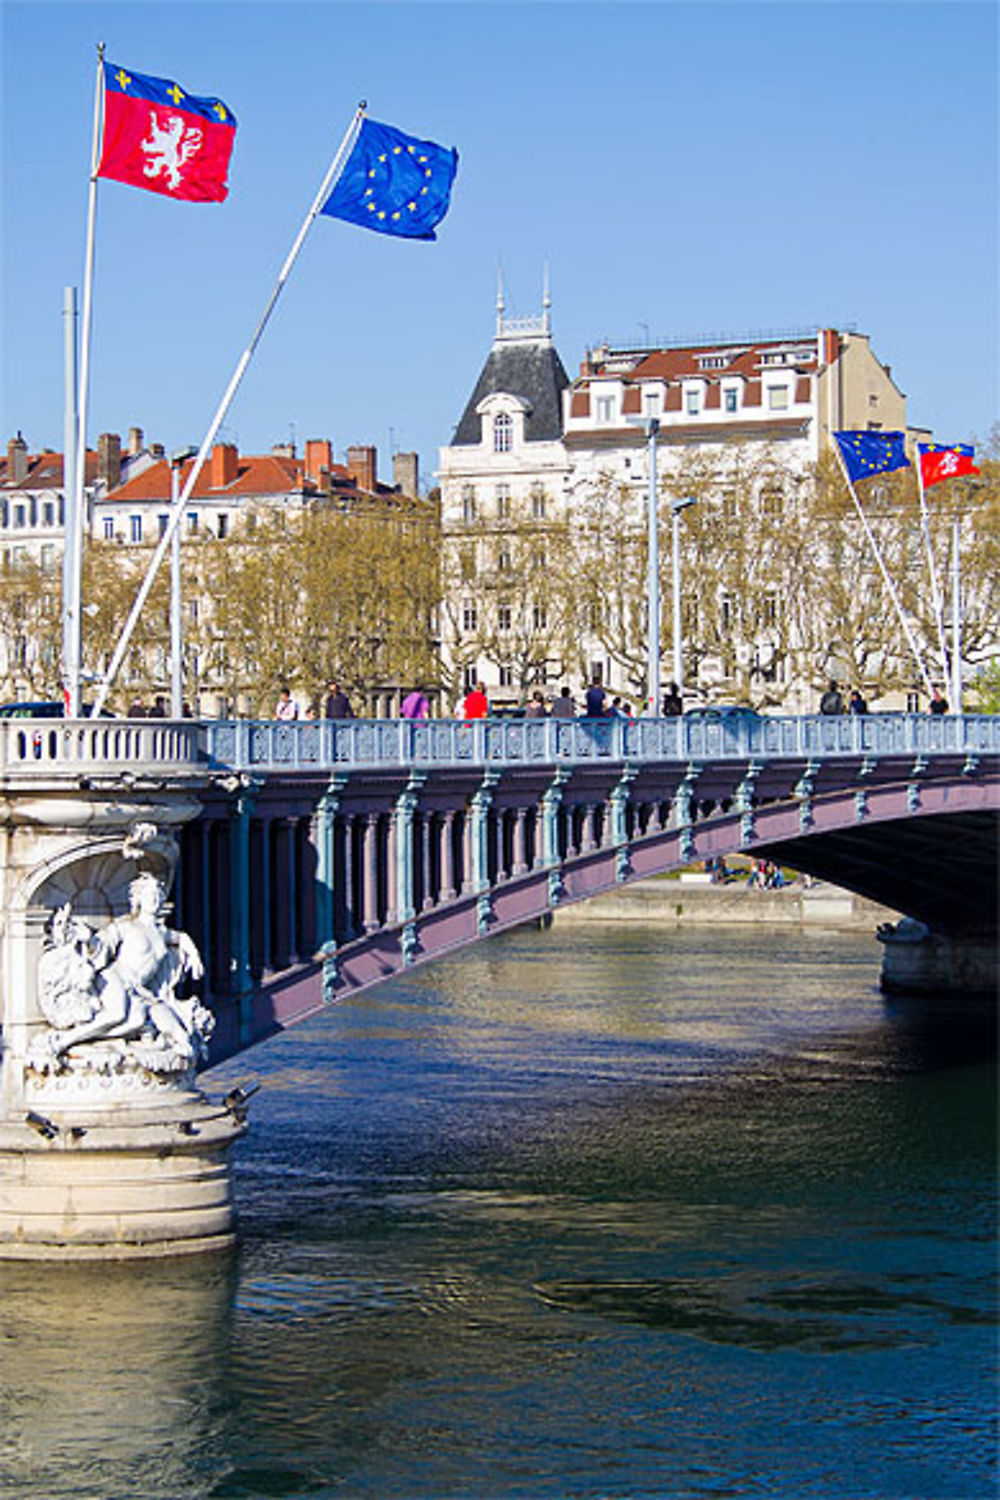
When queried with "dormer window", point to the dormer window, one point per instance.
{"points": [[605, 409], [777, 398], [692, 402], [503, 433]]}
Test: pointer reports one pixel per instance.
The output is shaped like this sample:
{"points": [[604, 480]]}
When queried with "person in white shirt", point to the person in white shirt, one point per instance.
{"points": [[286, 708]]}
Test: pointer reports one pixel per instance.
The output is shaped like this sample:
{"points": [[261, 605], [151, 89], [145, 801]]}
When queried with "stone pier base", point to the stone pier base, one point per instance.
{"points": [[81, 1184], [917, 961]]}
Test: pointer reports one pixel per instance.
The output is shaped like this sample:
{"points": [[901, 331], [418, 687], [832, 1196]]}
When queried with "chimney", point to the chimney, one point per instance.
{"points": [[406, 473], [17, 460], [135, 441], [224, 466], [319, 456], [109, 459], [361, 467], [157, 450]]}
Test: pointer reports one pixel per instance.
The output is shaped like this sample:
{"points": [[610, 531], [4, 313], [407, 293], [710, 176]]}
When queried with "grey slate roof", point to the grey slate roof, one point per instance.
{"points": [[529, 369]]}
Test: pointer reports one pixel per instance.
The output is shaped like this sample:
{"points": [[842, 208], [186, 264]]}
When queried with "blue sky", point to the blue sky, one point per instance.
{"points": [[682, 169]]}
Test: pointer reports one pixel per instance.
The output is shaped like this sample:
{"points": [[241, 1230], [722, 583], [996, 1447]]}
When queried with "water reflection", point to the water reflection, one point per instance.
{"points": [[583, 1214], [113, 1377]]}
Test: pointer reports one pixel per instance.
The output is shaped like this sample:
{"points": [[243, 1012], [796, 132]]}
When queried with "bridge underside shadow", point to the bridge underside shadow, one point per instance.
{"points": [[936, 862]]}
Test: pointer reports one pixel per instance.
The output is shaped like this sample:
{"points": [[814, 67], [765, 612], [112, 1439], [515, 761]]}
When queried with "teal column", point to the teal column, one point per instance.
{"points": [[547, 857], [325, 824], [241, 979], [619, 824], [477, 849]]}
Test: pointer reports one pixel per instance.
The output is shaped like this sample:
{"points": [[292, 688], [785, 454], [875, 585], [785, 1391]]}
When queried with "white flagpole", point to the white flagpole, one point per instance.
{"points": [[333, 172], [76, 512], [885, 573], [935, 587]]}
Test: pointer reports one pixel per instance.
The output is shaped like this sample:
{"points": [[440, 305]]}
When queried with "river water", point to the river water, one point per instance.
{"points": [[594, 1212]]}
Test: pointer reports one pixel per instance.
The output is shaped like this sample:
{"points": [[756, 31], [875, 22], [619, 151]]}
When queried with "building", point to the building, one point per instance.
{"points": [[127, 497], [741, 415]]}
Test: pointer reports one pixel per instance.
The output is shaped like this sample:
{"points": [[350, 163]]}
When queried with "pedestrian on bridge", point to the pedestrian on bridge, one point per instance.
{"points": [[286, 707], [938, 703], [338, 705], [563, 707], [535, 709], [673, 703], [831, 701], [856, 704], [415, 705], [476, 705]]}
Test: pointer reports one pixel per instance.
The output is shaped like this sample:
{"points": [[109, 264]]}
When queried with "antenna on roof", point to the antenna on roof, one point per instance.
{"points": [[546, 300], [500, 301]]}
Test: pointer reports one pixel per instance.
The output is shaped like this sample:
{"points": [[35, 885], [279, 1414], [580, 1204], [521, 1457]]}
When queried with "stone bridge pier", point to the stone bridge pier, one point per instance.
{"points": [[107, 1148]]}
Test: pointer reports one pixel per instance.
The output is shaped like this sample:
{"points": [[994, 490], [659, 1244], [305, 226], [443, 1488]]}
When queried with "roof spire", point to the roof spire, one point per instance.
{"points": [[546, 300], [500, 302]]}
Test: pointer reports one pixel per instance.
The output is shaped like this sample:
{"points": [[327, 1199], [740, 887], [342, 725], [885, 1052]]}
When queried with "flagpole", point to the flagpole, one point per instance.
{"points": [[333, 172], [935, 587], [76, 515], [885, 573]]}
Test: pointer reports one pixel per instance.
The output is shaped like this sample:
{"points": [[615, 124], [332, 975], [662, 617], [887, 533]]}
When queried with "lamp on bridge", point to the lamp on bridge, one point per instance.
{"points": [[651, 427], [676, 506]]}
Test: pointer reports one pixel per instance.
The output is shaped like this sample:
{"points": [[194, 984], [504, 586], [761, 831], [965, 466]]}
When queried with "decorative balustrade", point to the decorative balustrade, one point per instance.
{"points": [[129, 746], [319, 745]]}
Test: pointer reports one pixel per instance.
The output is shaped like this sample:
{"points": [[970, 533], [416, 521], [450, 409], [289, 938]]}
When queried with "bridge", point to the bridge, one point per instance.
{"points": [[312, 859]]}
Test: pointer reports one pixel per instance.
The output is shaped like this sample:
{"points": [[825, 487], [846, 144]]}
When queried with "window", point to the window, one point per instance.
{"points": [[48, 514], [469, 502], [772, 502], [223, 529], [731, 396], [597, 671], [777, 397], [467, 564], [726, 613], [605, 408], [48, 558], [193, 611], [503, 433], [770, 609], [470, 615], [506, 676], [19, 515], [503, 502], [109, 528], [651, 403], [692, 403], [162, 523], [538, 503], [729, 504], [504, 560], [470, 676], [540, 617], [539, 557], [505, 617], [135, 528], [192, 522]]}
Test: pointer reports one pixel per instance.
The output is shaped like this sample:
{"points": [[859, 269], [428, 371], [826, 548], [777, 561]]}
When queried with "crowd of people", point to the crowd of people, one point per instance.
{"points": [[832, 701], [595, 703]]}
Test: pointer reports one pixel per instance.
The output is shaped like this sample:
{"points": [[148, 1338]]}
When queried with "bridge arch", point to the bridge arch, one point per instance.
{"points": [[380, 884]]}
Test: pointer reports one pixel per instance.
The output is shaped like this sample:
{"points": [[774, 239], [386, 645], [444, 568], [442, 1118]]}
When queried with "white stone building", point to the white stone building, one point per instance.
{"points": [[531, 443]]}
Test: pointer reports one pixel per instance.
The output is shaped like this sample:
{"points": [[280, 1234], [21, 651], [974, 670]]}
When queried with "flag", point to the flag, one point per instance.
{"points": [[394, 183], [945, 461], [159, 137], [868, 453]]}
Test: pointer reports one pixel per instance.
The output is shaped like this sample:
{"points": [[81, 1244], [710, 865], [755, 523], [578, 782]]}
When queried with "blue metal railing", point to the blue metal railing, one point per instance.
{"points": [[326, 745]]}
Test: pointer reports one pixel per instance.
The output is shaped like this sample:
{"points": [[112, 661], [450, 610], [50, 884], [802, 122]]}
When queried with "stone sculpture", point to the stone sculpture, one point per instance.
{"points": [[110, 996]]}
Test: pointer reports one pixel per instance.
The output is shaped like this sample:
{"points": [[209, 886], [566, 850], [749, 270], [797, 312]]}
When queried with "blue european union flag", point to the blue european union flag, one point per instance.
{"points": [[868, 453], [394, 183]]}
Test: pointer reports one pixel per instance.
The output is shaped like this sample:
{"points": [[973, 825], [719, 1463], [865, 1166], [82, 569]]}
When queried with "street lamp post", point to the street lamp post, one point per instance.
{"points": [[676, 506], [177, 460], [651, 427]]}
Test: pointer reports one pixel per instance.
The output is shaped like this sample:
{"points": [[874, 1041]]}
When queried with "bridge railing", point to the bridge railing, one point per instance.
{"points": [[246, 745], [44, 745]]}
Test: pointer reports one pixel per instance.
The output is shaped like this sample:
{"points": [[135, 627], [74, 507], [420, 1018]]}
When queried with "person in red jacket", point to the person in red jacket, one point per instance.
{"points": [[476, 705]]}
